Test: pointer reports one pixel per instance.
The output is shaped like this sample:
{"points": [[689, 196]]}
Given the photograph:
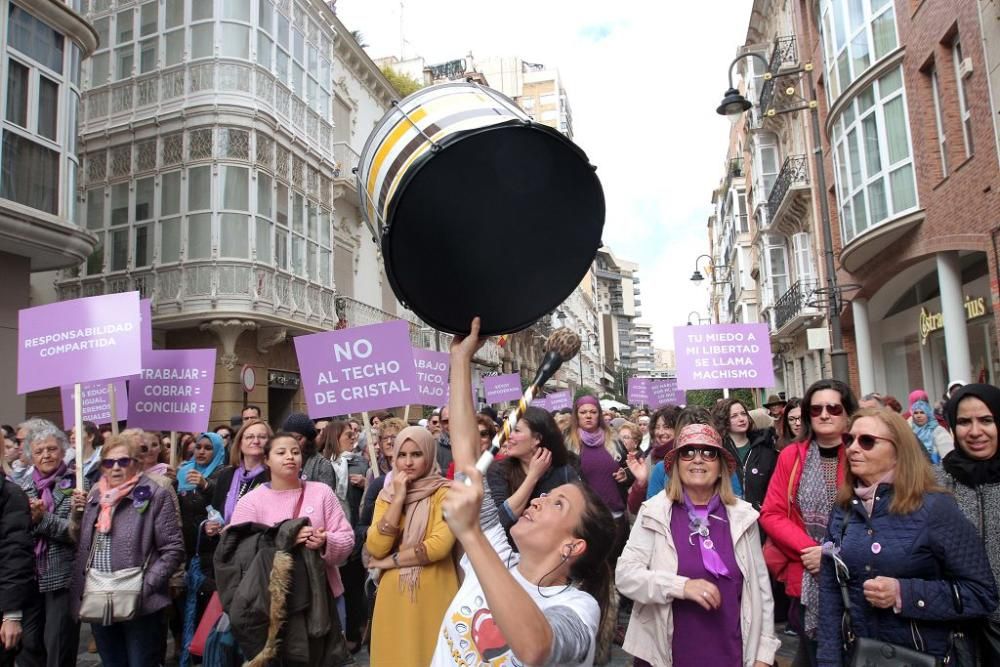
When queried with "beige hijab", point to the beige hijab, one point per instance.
{"points": [[417, 508]]}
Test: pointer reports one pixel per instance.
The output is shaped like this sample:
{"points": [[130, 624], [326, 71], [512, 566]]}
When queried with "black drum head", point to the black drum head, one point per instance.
{"points": [[501, 223]]}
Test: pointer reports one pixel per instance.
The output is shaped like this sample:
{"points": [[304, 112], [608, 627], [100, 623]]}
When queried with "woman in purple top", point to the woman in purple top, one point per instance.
{"points": [[603, 463], [694, 568]]}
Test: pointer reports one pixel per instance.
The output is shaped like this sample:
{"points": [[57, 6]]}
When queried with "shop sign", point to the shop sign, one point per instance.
{"points": [[931, 322]]}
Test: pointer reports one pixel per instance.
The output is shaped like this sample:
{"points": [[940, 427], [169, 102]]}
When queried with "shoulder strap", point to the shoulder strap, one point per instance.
{"points": [[298, 503]]}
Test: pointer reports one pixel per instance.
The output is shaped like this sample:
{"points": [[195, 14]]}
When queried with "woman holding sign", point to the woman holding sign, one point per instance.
{"points": [[545, 604], [129, 523], [412, 546]]}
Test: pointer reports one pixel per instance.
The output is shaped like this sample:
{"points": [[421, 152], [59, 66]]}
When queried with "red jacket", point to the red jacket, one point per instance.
{"points": [[782, 521]]}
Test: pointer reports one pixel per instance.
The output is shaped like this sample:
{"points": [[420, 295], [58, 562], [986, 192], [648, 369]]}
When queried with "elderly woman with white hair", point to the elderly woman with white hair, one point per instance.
{"points": [[50, 633]]}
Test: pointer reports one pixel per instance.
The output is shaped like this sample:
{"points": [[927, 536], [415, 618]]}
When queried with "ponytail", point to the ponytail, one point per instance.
{"points": [[591, 572]]}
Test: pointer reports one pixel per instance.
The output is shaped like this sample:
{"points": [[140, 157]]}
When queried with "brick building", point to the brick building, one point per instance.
{"points": [[912, 163]]}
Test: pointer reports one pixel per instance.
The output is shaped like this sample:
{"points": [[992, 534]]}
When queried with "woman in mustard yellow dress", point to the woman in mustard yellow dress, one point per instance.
{"points": [[410, 543]]}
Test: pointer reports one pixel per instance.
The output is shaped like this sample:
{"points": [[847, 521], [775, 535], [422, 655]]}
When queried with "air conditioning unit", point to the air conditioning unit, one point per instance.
{"points": [[965, 68]]}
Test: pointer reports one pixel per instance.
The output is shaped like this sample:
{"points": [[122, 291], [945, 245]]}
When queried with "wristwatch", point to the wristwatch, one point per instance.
{"points": [[395, 559]]}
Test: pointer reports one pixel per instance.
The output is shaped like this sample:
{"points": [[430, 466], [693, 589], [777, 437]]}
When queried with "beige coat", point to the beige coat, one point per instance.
{"points": [[647, 573]]}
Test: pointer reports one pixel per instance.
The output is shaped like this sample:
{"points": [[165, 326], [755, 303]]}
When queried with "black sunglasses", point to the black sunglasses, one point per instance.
{"points": [[865, 440], [122, 462], [833, 409], [707, 453]]}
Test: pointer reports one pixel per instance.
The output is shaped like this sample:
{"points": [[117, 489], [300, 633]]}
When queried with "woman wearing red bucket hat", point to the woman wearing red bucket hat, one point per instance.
{"points": [[694, 567]]}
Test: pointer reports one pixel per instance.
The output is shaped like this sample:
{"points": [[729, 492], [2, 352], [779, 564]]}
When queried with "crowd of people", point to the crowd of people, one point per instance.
{"points": [[690, 536]]}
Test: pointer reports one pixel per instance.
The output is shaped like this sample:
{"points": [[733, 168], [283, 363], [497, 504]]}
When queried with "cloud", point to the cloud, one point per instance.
{"points": [[643, 79]]}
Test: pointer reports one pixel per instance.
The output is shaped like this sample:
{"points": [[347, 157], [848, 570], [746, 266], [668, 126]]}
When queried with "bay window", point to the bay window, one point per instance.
{"points": [[873, 157]]}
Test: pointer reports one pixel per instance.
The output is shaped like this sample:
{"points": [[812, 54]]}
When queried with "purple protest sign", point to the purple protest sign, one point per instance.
{"points": [[432, 376], [721, 356], [357, 369], [78, 341], [542, 402], [500, 388], [173, 391], [96, 402], [638, 391], [561, 400], [665, 392]]}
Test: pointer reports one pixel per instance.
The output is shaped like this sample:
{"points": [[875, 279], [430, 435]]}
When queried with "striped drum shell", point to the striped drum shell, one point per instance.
{"points": [[455, 175]]}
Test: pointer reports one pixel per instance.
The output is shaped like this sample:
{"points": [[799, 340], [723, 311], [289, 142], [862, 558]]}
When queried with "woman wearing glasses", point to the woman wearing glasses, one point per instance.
{"points": [[791, 423], [916, 568], [245, 472], [694, 568], [799, 500], [128, 521]]}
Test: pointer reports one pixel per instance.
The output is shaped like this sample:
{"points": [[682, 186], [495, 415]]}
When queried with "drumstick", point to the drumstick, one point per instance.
{"points": [[562, 345]]}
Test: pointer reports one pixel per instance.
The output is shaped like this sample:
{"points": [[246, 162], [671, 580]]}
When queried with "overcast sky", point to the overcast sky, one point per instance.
{"points": [[643, 78]]}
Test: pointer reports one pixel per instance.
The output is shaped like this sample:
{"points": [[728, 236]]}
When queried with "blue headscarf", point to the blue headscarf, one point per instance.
{"points": [[218, 453], [925, 433]]}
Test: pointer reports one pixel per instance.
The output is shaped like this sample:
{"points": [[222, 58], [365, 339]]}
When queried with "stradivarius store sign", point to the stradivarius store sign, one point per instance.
{"points": [[931, 322]]}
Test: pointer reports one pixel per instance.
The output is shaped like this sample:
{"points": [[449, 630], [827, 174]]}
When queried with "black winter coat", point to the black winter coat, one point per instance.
{"points": [[755, 473], [934, 552], [277, 597], [17, 547]]}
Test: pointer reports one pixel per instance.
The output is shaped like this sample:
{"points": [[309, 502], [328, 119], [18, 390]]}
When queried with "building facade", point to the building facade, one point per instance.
{"points": [[907, 116], [218, 140], [44, 43]]}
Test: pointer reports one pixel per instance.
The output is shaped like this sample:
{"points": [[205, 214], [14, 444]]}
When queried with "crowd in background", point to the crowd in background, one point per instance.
{"points": [[690, 536]]}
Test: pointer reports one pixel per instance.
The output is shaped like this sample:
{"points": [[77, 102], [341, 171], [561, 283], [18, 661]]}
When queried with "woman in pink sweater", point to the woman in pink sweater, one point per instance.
{"points": [[287, 496]]}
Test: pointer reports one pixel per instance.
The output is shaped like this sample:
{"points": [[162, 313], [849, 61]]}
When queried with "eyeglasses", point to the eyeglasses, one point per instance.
{"points": [[832, 409], [387, 438], [484, 434], [144, 449], [435, 422], [444, 421], [707, 453], [865, 440], [122, 462], [254, 436], [794, 420], [226, 436]]}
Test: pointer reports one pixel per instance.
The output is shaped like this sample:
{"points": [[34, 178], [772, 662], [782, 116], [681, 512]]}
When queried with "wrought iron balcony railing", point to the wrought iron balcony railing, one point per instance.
{"points": [[793, 302], [793, 170], [784, 53]]}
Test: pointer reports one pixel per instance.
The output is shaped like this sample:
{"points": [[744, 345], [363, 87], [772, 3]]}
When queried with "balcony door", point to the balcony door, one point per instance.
{"points": [[805, 265]]}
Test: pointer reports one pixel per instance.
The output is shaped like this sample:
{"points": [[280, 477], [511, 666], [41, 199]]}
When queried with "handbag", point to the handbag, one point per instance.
{"points": [[111, 597], [869, 652], [211, 616]]}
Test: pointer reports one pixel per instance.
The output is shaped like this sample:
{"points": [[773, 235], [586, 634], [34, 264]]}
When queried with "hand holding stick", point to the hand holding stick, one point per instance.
{"points": [[562, 345]]}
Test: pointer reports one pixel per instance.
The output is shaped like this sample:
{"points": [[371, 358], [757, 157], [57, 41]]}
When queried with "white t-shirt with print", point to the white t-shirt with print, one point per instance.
{"points": [[469, 636]]}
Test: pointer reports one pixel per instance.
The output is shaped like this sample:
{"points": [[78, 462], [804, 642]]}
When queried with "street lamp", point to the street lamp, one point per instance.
{"points": [[698, 318], [697, 277], [733, 104]]}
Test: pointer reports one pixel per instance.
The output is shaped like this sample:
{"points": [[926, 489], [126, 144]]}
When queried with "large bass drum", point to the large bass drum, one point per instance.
{"points": [[479, 209]]}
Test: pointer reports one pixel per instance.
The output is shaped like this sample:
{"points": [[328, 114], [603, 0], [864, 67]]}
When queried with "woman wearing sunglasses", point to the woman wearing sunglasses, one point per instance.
{"points": [[129, 521], [916, 568], [972, 473], [694, 568], [799, 499]]}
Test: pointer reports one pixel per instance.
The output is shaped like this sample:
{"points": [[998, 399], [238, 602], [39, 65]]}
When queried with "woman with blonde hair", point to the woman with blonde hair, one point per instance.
{"points": [[411, 545], [694, 568], [893, 521], [245, 472]]}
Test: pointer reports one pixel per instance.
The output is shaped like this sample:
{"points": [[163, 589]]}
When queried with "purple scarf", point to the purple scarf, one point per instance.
{"points": [[44, 486], [240, 477], [593, 438], [710, 558]]}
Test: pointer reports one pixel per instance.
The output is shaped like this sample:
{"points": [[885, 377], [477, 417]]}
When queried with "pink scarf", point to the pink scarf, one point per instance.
{"points": [[110, 497], [867, 493]]}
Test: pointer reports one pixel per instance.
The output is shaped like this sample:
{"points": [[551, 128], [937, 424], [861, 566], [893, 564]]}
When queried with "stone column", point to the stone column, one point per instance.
{"points": [[863, 340], [956, 335]]}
